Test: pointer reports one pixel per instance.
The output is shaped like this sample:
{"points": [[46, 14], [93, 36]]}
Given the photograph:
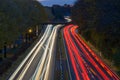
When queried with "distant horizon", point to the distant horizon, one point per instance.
{"points": [[56, 2]]}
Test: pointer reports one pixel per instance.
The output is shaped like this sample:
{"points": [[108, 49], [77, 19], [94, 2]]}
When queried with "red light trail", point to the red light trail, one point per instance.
{"points": [[81, 55]]}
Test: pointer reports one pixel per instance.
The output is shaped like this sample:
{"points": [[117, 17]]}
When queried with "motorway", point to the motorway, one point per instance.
{"points": [[39, 63], [62, 57], [83, 62]]}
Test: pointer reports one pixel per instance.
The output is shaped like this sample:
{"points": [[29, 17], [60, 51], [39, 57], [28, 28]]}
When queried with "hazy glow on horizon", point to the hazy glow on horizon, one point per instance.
{"points": [[43, 0], [52, 2]]}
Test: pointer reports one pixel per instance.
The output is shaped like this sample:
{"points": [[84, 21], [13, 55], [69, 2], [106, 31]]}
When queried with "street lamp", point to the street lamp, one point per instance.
{"points": [[30, 30], [30, 34]]}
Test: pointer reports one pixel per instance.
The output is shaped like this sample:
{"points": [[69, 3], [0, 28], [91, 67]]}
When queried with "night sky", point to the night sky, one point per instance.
{"points": [[60, 2]]}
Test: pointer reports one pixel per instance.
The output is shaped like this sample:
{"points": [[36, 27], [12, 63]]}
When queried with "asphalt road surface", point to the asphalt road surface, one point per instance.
{"points": [[48, 61], [39, 63], [84, 63]]}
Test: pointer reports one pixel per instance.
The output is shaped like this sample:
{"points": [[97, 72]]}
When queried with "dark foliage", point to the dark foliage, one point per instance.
{"points": [[60, 11], [99, 22], [16, 16]]}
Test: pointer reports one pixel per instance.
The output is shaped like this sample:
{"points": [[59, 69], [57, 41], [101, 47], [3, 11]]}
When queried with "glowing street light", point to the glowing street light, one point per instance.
{"points": [[30, 31]]}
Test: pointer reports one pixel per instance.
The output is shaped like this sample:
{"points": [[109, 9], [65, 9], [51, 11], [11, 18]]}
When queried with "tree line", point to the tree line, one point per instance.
{"points": [[60, 11], [16, 16], [99, 23]]}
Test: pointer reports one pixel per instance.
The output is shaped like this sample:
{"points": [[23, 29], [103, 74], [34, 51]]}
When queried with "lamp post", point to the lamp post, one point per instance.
{"points": [[29, 34], [37, 31], [5, 50]]}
